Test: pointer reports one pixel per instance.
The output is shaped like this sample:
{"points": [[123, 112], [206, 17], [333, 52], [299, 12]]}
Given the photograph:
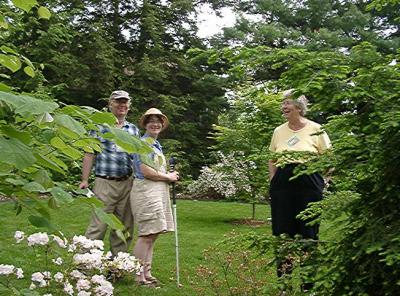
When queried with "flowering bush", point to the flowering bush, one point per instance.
{"points": [[230, 177], [71, 268]]}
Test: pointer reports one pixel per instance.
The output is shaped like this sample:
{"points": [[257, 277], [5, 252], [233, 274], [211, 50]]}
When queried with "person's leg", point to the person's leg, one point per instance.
{"points": [[282, 193], [124, 213], [142, 247], [149, 259], [97, 229], [311, 191]]}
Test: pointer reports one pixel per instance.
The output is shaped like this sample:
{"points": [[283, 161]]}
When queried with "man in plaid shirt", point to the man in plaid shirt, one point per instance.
{"points": [[113, 170]]}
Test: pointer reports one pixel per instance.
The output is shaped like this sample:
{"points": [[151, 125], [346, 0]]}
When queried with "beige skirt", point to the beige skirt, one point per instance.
{"points": [[151, 208]]}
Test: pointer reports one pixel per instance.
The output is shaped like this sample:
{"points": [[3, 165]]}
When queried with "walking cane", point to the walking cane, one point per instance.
{"points": [[172, 163]]}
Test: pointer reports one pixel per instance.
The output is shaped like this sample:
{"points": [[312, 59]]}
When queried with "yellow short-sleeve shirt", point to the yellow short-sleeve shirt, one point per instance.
{"points": [[309, 139]]}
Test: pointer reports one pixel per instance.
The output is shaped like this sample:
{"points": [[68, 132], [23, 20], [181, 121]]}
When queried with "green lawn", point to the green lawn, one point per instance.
{"points": [[200, 224]]}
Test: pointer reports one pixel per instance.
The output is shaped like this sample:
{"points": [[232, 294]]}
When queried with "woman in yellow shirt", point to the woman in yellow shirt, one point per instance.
{"points": [[290, 197]]}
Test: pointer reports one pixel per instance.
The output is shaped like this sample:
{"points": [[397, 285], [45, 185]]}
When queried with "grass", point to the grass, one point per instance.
{"points": [[200, 225]]}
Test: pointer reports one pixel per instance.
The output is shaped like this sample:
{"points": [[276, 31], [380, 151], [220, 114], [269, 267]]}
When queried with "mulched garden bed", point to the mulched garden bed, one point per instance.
{"points": [[250, 222]]}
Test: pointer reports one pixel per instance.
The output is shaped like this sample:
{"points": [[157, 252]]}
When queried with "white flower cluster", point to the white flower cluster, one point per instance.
{"points": [[230, 177], [85, 255], [91, 260], [40, 279], [124, 261], [40, 238], [7, 270], [81, 242]]}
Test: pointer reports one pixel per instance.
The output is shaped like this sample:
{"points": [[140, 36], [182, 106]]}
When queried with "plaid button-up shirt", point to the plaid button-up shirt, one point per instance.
{"points": [[112, 161]]}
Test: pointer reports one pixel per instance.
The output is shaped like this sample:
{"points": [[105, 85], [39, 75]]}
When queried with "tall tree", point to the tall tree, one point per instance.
{"points": [[314, 24], [91, 47]]}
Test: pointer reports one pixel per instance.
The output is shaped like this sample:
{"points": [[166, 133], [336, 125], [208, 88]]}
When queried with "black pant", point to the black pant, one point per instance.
{"points": [[290, 197]]}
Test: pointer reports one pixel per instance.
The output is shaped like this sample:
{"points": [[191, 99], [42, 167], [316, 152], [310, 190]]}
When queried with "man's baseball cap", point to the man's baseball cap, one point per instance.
{"points": [[119, 94]]}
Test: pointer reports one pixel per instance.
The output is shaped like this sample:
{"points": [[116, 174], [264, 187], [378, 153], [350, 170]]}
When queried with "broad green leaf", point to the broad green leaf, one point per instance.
{"points": [[120, 234], [25, 5], [34, 187], [66, 149], [29, 71], [12, 132], [91, 201], [42, 177], [109, 219], [58, 143], [7, 49], [103, 118], [2, 75], [40, 222], [48, 163], [5, 87], [72, 152], [44, 13], [68, 133], [126, 141], [89, 145], [26, 105], [70, 123], [28, 62], [16, 182], [61, 195], [59, 162], [75, 111], [3, 22], [14, 152], [11, 62]]}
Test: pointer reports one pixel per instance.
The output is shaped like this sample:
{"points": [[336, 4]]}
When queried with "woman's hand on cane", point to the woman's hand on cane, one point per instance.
{"points": [[173, 176]]}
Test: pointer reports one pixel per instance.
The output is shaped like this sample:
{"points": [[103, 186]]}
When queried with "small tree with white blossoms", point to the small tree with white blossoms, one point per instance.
{"points": [[71, 268], [234, 177]]}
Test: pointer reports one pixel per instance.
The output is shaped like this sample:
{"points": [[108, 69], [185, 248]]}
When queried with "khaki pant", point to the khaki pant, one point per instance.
{"points": [[115, 196]]}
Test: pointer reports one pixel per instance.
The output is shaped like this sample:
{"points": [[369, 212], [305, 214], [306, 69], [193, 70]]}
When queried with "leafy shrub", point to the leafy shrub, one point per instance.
{"points": [[232, 268]]}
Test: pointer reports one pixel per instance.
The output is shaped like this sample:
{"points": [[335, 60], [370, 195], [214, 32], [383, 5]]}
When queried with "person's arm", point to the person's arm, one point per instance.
{"points": [[87, 164], [272, 169], [154, 175], [328, 176]]}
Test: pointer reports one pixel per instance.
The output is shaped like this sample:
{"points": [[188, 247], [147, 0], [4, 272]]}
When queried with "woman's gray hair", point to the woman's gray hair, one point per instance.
{"points": [[301, 102]]}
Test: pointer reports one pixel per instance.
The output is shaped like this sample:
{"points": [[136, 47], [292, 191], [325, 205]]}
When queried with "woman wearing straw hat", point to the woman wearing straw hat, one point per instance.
{"points": [[150, 194]]}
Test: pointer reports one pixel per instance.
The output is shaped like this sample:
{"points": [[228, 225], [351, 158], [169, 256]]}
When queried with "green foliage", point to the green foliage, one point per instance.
{"points": [[91, 48], [315, 25], [41, 141], [356, 96], [232, 268]]}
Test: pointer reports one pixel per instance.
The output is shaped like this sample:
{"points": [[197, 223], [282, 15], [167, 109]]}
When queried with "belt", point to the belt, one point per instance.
{"points": [[114, 178]]}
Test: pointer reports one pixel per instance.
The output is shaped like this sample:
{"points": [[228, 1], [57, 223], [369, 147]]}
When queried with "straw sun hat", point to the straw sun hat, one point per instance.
{"points": [[154, 111]]}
